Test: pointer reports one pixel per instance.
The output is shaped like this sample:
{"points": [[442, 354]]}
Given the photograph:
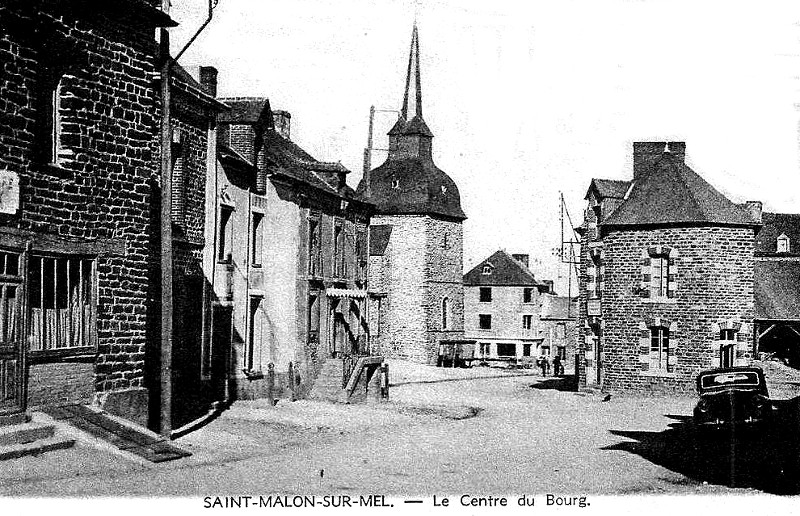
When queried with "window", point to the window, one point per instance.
{"points": [[526, 350], [561, 331], [445, 313], [659, 349], [487, 270], [361, 254], [61, 303], [339, 265], [486, 349], [658, 273], [527, 322], [527, 295], [313, 318], [225, 234], [255, 335], [55, 119], [506, 350], [727, 345], [562, 352], [783, 243], [314, 262], [486, 294], [395, 183], [10, 299], [485, 321], [660, 265], [257, 239], [178, 180], [545, 351]]}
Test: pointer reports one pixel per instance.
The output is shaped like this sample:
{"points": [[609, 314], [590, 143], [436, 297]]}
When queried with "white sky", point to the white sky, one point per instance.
{"points": [[526, 99]]}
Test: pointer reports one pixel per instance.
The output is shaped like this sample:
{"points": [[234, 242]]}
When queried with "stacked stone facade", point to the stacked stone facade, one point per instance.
{"points": [[420, 267], [94, 199], [713, 269], [666, 284]]}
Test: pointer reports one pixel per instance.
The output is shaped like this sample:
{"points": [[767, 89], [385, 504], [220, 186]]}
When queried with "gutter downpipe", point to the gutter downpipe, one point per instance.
{"points": [[165, 418]]}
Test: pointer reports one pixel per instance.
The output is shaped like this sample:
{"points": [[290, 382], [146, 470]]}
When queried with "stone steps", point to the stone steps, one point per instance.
{"points": [[30, 439], [328, 385]]}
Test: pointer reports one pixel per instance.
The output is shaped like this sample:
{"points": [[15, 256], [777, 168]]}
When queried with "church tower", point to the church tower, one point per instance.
{"points": [[416, 246]]}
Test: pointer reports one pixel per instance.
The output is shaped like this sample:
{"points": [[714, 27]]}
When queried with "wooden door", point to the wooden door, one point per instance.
{"points": [[12, 329]]}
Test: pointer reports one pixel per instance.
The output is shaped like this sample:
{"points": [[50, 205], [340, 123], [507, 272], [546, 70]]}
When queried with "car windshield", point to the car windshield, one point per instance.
{"points": [[730, 379]]}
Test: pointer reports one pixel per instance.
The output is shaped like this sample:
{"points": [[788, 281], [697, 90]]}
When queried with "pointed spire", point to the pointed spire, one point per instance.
{"points": [[413, 64]]}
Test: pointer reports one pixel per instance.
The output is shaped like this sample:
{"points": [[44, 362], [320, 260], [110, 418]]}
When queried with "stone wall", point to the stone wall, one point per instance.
{"points": [[713, 269], [103, 185]]}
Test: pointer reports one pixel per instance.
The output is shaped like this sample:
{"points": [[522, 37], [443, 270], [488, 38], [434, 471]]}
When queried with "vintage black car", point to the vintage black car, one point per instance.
{"points": [[732, 397]]}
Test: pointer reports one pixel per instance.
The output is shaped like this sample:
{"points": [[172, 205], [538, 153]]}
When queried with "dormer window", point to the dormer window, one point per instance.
{"points": [[395, 183], [783, 243], [487, 270]]}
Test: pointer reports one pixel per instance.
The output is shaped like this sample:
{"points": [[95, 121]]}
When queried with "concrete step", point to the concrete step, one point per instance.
{"points": [[25, 433], [37, 447]]}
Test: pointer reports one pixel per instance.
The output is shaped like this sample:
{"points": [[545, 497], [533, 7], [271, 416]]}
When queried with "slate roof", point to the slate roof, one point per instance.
{"points": [[777, 296], [609, 187], [776, 224], [422, 189], [289, 159], [378, 239], [672, 193], [247, 110], [559, 307], [506, 271]]}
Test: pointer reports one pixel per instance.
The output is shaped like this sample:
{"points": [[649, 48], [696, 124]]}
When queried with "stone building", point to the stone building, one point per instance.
{"points": [[777, 291], [290, 249], [76, 178], [416, 253], [193, 119], [503, 307], [666, 286], [558, 319]]}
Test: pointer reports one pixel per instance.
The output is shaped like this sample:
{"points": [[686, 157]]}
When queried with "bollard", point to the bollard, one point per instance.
{"points": [[271, 383], [292, 394], [384, 381]]}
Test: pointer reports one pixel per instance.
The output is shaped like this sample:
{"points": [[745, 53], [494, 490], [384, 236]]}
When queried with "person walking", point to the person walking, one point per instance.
{"points": [[558, 369]]}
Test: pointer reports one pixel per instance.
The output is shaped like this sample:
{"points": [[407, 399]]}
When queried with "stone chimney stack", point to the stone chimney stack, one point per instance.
{"points": [[754, 208], [646, 154], [208, 80], [522, 258], [282, 121]]}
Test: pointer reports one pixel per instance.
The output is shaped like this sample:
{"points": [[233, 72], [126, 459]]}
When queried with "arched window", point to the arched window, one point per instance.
{"points": [[445, 313]]}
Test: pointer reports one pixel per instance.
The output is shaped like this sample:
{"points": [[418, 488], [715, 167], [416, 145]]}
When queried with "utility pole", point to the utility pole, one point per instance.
{"points": [[165, 417]]}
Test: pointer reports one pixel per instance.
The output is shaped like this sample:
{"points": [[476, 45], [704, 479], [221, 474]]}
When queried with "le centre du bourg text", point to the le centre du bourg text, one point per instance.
{"points": [[383, 501]]}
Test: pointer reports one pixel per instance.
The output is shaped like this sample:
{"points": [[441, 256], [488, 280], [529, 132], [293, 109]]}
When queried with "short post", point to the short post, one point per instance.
{"points": [[293, 395], [384, 381], [271, 383]]}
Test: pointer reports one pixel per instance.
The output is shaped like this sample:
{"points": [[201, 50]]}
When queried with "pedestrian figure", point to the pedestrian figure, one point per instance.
{"points": [[557, 367], [547, 365], [543, 365]]}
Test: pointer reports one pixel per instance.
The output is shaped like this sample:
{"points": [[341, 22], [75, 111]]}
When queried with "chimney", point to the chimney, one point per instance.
{"points": [[208, 80], [645, 155], [678, 149], [282, 121], [549, 284], [754, 209], [522, 258]]}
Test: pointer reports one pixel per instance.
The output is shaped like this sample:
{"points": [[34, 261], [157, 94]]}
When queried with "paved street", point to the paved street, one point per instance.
{"points": [[444, 432]]}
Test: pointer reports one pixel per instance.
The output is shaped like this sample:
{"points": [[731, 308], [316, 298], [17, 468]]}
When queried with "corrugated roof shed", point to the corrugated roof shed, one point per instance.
{"points": [[505, 271], [777, 296], [672, 193]]}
